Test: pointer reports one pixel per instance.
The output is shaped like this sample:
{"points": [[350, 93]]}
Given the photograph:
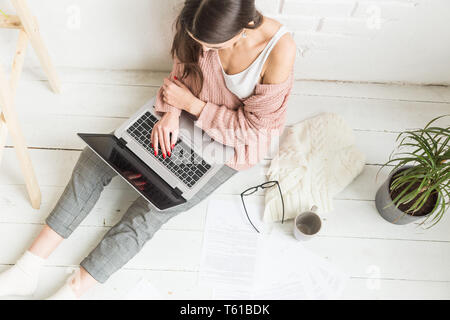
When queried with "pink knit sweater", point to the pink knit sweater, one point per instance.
{"points": [[247, 125]]}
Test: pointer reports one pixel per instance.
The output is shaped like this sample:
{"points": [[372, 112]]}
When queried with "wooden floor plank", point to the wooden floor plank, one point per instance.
{"points": [[84, 100], [110, 208], [349, 218], [183, 285], [302, 87], [146, 78], [169, 284], [167, 250], [121, 101], [61, 132], [393, 259], [375, 115], [54, 168], [395, 92], [180, 250], [390, 289]]}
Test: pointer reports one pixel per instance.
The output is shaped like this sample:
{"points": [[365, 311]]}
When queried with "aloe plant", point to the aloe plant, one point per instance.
{"points": [[428, 151]]}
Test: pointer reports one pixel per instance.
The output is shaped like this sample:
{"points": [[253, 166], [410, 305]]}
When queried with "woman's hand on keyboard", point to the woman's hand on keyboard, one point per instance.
{"points": [[165, 133]]}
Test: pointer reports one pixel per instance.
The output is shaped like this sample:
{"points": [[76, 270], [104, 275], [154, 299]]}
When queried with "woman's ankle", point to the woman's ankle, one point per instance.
{"points": [[81, 282], [45, 243]]}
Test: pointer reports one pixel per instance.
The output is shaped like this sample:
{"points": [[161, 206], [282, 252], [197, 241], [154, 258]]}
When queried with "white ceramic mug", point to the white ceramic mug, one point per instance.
{"points": [[307, 224]]}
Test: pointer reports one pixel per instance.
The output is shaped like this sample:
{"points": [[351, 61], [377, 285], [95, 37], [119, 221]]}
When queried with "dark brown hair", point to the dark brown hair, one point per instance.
{"points": [[210, 21]]}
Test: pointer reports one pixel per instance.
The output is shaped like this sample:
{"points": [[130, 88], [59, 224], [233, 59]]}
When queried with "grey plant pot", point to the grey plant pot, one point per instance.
{"points": [[387, 209]]}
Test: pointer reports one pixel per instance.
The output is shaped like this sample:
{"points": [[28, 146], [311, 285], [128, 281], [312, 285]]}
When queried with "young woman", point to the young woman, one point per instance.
{"points": [[233, 72]]}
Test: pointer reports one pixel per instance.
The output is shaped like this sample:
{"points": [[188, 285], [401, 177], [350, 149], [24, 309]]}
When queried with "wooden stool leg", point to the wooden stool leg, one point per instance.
{"points": [[15, 75], [19, 58], [32, 30], [3, 136], [19, 141]]}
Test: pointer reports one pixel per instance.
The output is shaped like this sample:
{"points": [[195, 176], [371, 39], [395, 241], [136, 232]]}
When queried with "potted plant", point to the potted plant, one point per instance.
{"points": [[418, 185]]}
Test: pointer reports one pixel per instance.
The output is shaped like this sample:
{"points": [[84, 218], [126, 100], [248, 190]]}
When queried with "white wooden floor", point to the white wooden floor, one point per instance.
{"points": [[383, 260]]}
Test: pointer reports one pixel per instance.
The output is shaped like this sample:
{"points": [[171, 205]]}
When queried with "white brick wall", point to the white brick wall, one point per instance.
{"points": [[269, 6], [368, 40], [346, 17], [388, 9], [355, 40], [318, 8]]}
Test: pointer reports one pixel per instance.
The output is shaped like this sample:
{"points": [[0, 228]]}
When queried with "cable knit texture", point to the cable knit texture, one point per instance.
{"points": [[316, 160], [247, 125]]}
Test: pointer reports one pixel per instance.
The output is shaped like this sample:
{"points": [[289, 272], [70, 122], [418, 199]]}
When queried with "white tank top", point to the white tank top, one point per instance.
{"points": [[243, 84]]}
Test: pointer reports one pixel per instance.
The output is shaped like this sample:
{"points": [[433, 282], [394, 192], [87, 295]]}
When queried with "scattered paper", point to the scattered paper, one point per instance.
{"points": [[287, 270], [239, 263], [230, 247]]}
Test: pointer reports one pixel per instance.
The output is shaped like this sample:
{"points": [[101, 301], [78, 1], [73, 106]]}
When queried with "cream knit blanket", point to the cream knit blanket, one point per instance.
{"points": [[316, 160]]}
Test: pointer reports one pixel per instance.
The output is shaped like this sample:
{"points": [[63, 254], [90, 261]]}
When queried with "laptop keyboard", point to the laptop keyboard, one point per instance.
{"points": [[184, 163]]}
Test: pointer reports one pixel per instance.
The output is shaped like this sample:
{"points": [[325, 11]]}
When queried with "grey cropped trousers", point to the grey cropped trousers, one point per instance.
{"points": [[138, 224]]}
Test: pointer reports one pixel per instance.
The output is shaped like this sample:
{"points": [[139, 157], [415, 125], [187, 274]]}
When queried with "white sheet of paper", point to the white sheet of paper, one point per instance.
{"points": [[239, 263], [229, 246], [286, 270]]}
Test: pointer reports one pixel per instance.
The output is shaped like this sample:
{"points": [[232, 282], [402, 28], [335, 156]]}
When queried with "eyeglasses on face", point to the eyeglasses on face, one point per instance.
{"points": [[252, 190]]}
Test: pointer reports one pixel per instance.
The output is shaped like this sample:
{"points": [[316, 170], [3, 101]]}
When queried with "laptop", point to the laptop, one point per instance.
{"points": [[171, 181]]}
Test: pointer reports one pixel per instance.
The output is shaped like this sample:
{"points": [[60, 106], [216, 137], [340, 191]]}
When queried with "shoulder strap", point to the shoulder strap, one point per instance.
{"points": [[266, 52]]}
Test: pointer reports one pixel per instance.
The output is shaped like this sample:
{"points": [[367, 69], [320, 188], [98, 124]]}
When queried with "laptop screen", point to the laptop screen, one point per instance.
{"points": [[126, 163]]}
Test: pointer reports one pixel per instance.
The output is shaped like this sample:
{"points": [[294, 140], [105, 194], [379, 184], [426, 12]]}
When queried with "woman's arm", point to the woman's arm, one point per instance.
{"points": [[261, 113], [160, 105], [165, 132], [280, 61]]}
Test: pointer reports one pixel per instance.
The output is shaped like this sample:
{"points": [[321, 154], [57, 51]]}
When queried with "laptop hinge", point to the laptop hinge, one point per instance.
{"points": [[122, 142], [178, 191]]}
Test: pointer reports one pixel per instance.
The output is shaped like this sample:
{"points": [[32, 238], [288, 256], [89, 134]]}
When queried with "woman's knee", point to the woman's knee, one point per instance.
{"points": [[90, 165], [142, 221]]}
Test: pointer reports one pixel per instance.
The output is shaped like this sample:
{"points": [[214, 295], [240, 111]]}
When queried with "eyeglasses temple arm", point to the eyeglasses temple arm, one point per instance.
{"points": [[246, 213], [282, 201]]}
